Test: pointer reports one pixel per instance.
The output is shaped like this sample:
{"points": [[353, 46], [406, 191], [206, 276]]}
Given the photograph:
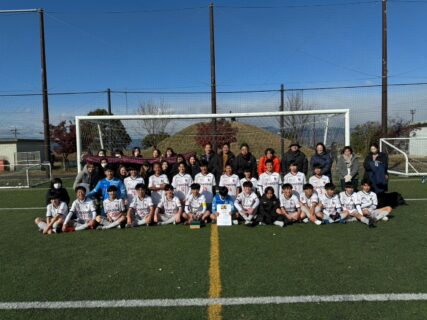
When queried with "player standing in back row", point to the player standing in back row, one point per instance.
{"points": [[207, 183], [270, 179]]}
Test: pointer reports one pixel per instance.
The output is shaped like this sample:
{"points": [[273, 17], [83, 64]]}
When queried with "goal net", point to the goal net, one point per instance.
{"points": [[188, 133], [24, 175]]}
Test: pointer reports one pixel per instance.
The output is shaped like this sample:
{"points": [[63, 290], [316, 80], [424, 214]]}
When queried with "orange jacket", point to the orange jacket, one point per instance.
{"points": [[261, 165]]}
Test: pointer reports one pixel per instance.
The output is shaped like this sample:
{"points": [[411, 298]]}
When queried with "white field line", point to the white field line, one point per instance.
{"points": [[200, 302]]}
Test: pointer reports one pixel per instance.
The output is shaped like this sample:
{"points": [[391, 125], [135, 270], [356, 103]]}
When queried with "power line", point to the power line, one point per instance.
{"points": [[128, 11], [339, 4]]}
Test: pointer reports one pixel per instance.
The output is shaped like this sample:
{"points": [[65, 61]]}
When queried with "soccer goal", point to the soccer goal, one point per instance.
{"points": [[187, 133], [24, 175], [407, 156]]}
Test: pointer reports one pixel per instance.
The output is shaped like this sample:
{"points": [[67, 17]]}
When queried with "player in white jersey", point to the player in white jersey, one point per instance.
{"points": [[141, 210], [195, 206], [248, 177], [269, 179], [82, 214], [130, 183], [207, 184], [230, 181], [114, 209], [247, 202], [156, 183], [369, 203], [169, 209], [56, 212], [310, 205], [290, 208], [295, 178], [350, 202], [181, 182], [330, 205], [319, 181]]}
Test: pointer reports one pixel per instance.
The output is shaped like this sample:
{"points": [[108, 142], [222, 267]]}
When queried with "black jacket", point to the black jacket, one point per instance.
{"points": [[245, 162], [212, 163], [298, 157], [324, 160], [63, 195], [267, 209]]}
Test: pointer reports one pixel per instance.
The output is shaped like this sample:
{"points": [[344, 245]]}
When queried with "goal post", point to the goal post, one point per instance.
{"points": [[318, 122]]}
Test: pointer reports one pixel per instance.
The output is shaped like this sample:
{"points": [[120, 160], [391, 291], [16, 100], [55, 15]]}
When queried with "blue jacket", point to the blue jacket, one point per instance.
{"points": [[325, 162], [103, 185], [217, 200]]}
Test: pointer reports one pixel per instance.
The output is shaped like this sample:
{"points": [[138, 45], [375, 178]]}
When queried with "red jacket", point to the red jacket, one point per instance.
{"points": [[261, 165]]}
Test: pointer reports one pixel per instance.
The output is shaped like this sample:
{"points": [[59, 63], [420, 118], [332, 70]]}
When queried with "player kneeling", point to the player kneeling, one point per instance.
{"points": [[169, 210], [141, 210], [56, 212], [290, 207], [114, 209], [330, 205], [220, 199], [369, 203], [350, 202], [268, 209], [309, 205], [247, 203], [82, 214], [195, 206]]}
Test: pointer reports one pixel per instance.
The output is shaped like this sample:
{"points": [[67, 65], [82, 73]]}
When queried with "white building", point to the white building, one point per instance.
{"points": [[20, 151], [418, 146]]}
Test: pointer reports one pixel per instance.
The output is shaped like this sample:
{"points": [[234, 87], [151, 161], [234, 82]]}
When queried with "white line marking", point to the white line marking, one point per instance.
{"points": [[420, 199], [200, 302]]}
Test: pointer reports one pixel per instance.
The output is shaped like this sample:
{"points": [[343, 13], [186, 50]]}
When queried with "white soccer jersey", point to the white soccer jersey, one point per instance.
{"points": [[270, 180], [246, 201], [141, 207], [368, 200], [130, 184], [195, 205], [52, 212], [331, 206], [319, 184], [254, 183], [170, 206], [296, 180], [349, 202], [309, 202], [231, 182], [114, 208], [207, 183], [156, 181], [291, 205], [82, 210], [181, 184]]}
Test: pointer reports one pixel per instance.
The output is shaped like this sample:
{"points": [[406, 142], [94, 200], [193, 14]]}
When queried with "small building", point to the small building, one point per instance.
{"points": [[418, 146], [20, 151]]}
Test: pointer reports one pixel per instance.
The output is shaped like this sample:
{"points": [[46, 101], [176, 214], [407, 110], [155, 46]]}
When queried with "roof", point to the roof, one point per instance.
{"points": [[14, 140]]}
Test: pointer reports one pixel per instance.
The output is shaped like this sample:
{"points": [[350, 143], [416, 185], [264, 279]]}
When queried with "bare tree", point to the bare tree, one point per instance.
{"points": [[154, 130]]}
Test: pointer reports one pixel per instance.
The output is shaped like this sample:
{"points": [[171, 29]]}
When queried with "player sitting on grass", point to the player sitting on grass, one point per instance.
{"points": [[268, 209], [330, 205], [290, 208], [222, 198], [156, 183], [207, 182], [56, 211], [169, 209], [318, 181], [248, 177], [82, 214], [269, 179], [295, 178], [369, 203], [230, 180], [309, 205], [181, 182], [247, 203], [115, 210], [141, 210], [130, 183], [350, 202], [195, 206]]}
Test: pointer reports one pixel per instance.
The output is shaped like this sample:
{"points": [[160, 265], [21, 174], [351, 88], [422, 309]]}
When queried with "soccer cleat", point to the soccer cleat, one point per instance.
{"points": [[248, 222], [385, 219], [343, 221], [279, 223], [235, 222], [305, 220], [128, 225], [261, 223], [317, 222], [372, 223], [100, 228]]}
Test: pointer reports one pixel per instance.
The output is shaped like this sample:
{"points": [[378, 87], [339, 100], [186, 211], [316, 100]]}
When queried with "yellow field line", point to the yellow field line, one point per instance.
{"points": [[214, 311]]}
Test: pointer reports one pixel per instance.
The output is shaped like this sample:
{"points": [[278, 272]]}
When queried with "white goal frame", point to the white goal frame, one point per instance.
{"points": [[345, 112]]}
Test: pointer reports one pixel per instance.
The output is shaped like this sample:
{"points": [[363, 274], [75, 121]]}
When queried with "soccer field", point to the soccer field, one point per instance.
{"points": [[171, 272]]}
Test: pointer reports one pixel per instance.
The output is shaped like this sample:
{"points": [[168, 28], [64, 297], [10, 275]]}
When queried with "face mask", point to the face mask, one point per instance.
{"points": [[104, 165], [57, 185]]}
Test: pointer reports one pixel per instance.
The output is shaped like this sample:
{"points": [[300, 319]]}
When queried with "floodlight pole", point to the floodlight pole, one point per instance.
{"points": [[213, 74], [384, 96]]}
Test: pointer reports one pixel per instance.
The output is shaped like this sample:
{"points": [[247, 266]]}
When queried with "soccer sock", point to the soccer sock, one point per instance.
{"points": [[244, 216], [113, 224], [169, 221], [54, 227], [42, 225], [81, 227], [380, 215], [364, 220]]}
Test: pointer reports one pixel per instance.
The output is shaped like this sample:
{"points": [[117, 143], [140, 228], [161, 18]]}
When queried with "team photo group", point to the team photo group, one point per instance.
{"points": [[120, 191]]}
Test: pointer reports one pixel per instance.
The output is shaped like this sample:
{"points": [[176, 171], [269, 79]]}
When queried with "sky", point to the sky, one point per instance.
{"points": [[164, 46]]}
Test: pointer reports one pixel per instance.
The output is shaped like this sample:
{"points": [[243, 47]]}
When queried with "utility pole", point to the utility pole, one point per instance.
{"points": [[213, 75], [46, 130], [15, 132], [282, 121], [412, 111], [384, 103], [109, 101]]}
